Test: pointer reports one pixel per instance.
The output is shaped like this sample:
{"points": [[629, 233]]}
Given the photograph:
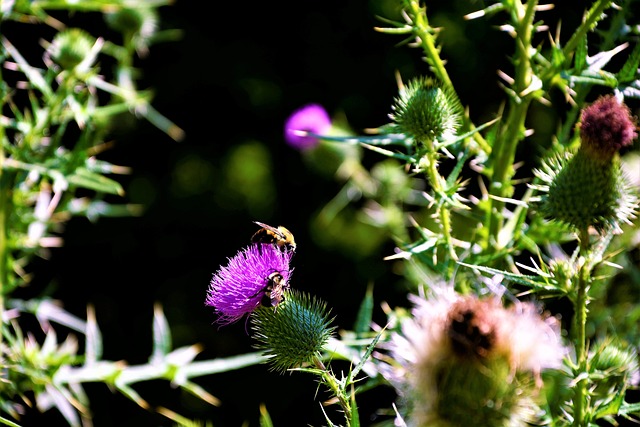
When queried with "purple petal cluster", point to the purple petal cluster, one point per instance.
{"points": [[310, 118], [607, 126], [237, 288]]}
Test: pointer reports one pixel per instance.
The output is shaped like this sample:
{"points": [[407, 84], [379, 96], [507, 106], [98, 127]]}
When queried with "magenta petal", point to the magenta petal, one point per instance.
{"points": [[237, 288]]}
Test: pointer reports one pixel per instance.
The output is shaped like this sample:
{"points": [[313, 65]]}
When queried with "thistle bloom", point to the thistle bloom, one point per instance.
{"points": [[311, 118], [238, 288], [467, 361], [587, 188], [606, 126]]}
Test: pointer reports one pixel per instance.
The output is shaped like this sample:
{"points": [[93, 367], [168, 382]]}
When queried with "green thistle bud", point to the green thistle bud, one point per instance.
{"points": [[588, 188], [614, 367], [134, 20], [426, 111], [295, 333], [70, 47]]}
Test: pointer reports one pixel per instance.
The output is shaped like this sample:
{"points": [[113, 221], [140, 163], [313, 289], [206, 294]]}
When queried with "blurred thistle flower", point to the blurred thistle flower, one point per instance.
{"points": [[588, 188], [426, 111], [311, 118], [465, 361], [70, 47], [239, 287], [295, 334]]}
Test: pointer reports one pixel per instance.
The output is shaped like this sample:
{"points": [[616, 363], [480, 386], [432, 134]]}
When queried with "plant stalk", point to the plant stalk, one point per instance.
{"points": [[503, 152], [580, 396]]}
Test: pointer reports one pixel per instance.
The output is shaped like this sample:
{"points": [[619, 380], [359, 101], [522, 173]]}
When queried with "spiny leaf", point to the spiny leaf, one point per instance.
{"points": [[365, 313], [161, 334], [629, 70], [265, 418], [200, 393], [84, 178], [366, 354], [580, 60], [535, 282], [355, 417]]}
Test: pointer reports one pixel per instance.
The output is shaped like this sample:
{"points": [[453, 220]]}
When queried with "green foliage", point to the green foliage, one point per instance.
{"points": [[57, 118]]}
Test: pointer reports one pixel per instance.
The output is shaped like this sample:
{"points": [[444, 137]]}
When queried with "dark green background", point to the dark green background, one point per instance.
{"points": [[240, 69]]}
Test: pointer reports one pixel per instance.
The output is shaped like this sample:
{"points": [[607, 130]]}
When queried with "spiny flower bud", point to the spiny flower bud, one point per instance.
{"points": [[70, 47], [469, 361], [588, 188], [614, 368], [140, 20], [426, 111], [295, 333]]}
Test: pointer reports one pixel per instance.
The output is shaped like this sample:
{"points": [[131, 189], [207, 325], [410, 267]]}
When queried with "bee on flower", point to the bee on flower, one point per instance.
{"points": [[238, 287]]}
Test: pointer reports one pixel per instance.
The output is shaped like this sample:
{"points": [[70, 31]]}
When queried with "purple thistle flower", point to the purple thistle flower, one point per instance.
{"points": [[311, 118], [606, 126], [237, 288]]}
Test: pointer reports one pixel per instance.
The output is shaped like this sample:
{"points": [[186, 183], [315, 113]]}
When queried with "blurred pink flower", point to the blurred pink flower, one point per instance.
{"points": [[311, 118]]}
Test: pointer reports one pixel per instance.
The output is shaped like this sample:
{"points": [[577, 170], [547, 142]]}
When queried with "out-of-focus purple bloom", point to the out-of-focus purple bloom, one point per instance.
{"points": [[237, 288], [310, 118]]}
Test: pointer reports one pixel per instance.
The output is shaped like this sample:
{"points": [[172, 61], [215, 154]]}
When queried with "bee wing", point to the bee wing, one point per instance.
{"points": [[276, 296], [270, 228]]}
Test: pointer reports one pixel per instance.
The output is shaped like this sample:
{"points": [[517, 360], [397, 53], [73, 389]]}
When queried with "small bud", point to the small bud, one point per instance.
{"points": [[134, 20], [295, 333], [614, 368], [426, 111], [70, 47]]}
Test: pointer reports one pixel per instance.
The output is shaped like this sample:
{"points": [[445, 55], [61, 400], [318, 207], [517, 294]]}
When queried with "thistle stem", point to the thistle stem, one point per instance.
{"points": [[5, 183], [427, 38], [443, 212], [334, 385], [503, 152], [595, 14], [580, 396]]}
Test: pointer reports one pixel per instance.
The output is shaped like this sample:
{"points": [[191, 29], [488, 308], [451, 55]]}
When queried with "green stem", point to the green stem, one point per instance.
{"points": [[503, 153], [335, 388], [580, 325], [5, 193], [426, 35], [421, 31], [443, 211], [595, 14]]}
